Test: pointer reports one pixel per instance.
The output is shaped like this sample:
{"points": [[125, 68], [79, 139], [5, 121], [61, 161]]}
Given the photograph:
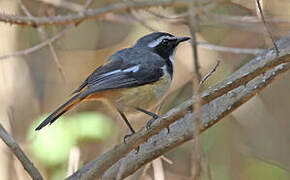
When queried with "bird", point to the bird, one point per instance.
{"points": [[134, 78]]}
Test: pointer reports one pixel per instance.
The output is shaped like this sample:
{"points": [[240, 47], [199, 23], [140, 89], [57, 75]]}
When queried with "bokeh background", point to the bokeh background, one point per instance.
{"points": [[252, 143]]}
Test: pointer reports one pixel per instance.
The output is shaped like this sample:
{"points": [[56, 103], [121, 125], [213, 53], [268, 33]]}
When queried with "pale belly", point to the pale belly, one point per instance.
{"points": [[145, 96]]}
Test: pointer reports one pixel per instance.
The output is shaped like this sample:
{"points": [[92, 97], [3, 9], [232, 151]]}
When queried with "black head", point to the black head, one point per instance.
{"points": [[161, 43]]}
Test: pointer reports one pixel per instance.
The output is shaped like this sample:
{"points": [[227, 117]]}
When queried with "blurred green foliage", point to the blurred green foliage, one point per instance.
{"points": [[52, 144], [262, 170]]}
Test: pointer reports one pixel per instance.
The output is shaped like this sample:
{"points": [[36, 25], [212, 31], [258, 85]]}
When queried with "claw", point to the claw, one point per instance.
{"points": [[137, 149], [149, 123], [126, 136], [168, 130]]}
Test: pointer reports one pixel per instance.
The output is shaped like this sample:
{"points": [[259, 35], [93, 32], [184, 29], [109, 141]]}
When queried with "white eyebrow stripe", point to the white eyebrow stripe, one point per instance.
{"points": [[154, 43], [132, 69]]}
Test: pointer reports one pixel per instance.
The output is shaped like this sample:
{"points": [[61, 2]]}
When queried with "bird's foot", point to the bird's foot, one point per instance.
{"points": [[127, 136], [151, 121]]}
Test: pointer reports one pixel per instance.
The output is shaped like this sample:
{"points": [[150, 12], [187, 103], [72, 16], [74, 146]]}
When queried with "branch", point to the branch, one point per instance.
{"points": [[248, 23], [64, 4], [195, 154], [184, 129], [230, 49], [36, 47], [43, 36], [15, 148], [207, 75], [45, 43], [85, 15], [264, 22], [241, 77]]}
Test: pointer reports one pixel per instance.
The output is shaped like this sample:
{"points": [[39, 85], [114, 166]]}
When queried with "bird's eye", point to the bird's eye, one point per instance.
{"points": [[165, 42]]}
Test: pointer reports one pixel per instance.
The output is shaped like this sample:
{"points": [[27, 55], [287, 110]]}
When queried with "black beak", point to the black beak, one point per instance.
{"points": [[182, 39]]}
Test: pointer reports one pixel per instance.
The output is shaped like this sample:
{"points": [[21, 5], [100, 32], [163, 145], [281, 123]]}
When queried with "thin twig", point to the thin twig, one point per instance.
{"points": [[196, 151], [144, 172], [43, 36], [44, 43], [36, 47], [64, 4], [268, 31], [85, 15], [248, 23], [15, 148], [209, 73], [166, 159], [231, 49], [141, 21]]}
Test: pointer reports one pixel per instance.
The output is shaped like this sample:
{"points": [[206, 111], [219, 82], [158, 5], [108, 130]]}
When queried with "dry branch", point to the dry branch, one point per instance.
{"points": [[36, 47], [15, 148], [85, 15], [184, 129], [43, 36], [230, 49], [213, 110], [265, 24], [195, 154]]}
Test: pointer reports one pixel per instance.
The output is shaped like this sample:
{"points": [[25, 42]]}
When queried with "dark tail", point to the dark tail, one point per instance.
{"points": [[60, 111]]}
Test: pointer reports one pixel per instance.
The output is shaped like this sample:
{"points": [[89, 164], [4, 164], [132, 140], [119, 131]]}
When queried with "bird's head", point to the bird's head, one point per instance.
{"points": [[161, 43]]}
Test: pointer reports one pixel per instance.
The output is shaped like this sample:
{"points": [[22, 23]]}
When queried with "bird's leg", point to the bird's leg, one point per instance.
{"points": [[153, 115], [128, 124]]}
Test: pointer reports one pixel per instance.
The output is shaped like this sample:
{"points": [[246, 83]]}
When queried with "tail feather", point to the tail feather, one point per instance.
{"points": [[60, 111]]}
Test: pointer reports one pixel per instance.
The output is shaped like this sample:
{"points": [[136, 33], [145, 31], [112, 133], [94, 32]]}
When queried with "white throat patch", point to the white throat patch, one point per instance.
{"points": [[172, 56]]}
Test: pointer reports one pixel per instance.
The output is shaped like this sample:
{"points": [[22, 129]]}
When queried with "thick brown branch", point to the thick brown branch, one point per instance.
{"points": [[241, 77], [15, 148], [88, 14]]}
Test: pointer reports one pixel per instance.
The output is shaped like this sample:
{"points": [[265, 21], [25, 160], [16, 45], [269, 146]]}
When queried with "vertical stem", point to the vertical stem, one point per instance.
{"points": [[196, 151], [268, 31]]}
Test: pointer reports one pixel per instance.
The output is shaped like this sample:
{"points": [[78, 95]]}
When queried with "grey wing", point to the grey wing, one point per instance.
{"points": [[123, 78], [123, 73], [113, 63]]}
